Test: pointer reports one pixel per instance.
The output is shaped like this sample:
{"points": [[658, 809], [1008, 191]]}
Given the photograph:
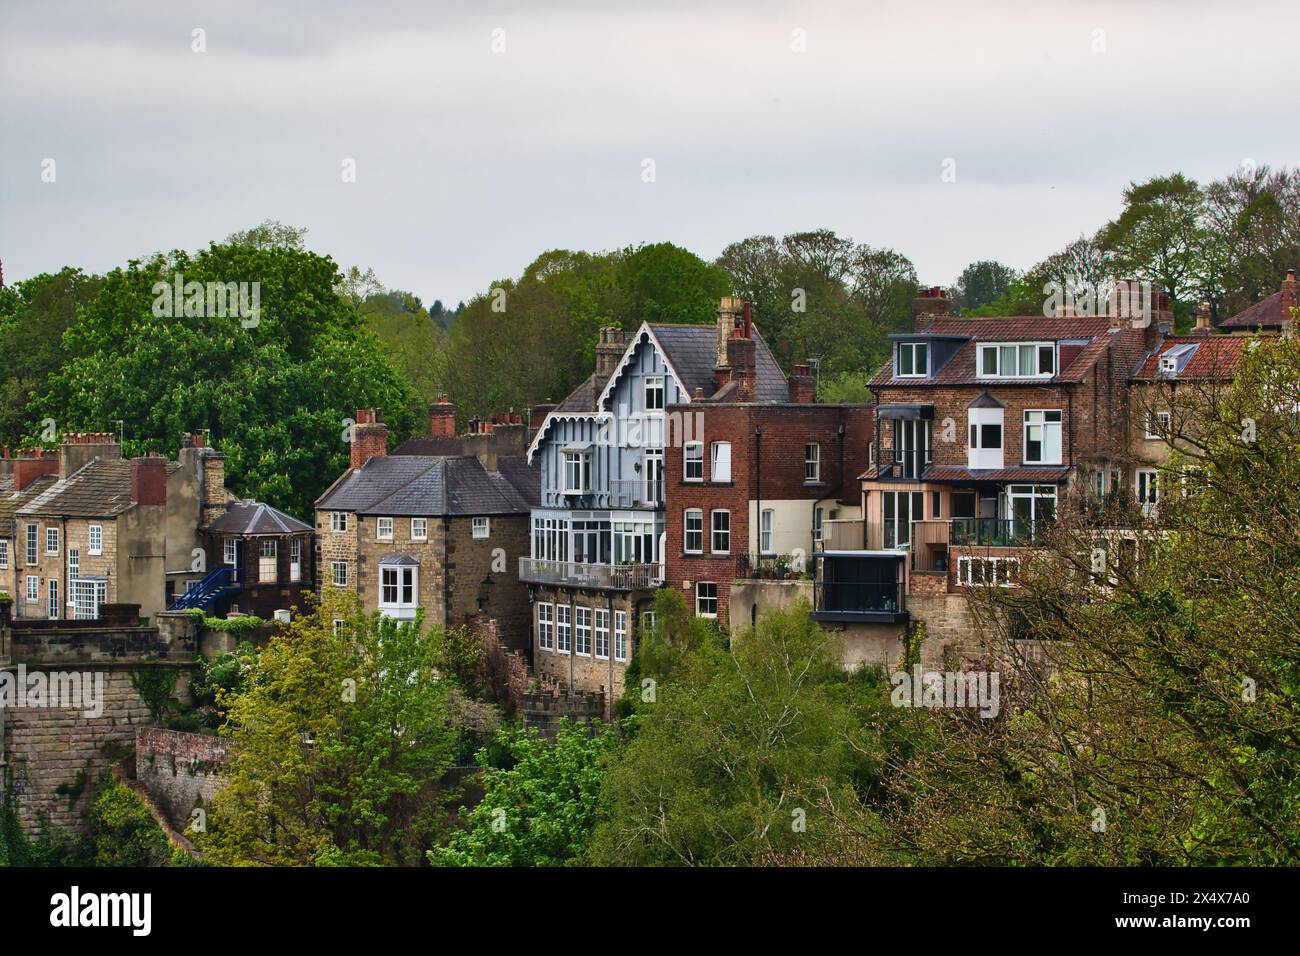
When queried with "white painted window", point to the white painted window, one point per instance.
{"points": [[913, 359], [74, 568], [419, 529], [582, 631], [230, 551], [339, 574], [985, 438], [398, 590], [720, 469], [384, 529], [973, 572], [4, 554], [694, 531], [33, 589], [1017, 360], [87, 596], [268, 553], [338, 521], [1043, 436], [32, 557], [693, 461], [546, 627], [95, 538], [602, 633], [819, 515], [706, 599], [53, 606], [577, 472], [720, 539], [654, 393], [295, 559], [1148, 489], [563, 632], [51, 540], [620, 635], [654, 475], [1157, 426], [765, 529], [482, 528], [812, 462]]}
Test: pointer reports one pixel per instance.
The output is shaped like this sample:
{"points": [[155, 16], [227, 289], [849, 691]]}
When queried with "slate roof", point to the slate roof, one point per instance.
{"points": [[1266, 313], [11, 501], [584, 397], [1216, 358], [692, 351], [253, 517], [434, 486], [960, 369], [99, 489]]}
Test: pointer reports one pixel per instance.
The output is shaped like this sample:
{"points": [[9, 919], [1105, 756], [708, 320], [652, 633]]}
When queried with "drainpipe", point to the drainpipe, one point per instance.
{"points": [[758, 484], [836, 492]]}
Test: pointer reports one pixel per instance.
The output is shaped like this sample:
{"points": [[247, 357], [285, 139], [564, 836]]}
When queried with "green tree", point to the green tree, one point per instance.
{"points": [[274, 397], [339, 744], [539, 809], [981, 283], [122, 830]]}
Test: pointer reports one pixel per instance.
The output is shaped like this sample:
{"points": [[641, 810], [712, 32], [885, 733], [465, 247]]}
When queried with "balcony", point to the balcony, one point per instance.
{"points": [[997, 532], [621, 493], [859, 601], [605, 577]]}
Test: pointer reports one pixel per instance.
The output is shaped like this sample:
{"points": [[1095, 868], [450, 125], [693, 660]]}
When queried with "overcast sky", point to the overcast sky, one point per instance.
{"points": [[469, 162]]}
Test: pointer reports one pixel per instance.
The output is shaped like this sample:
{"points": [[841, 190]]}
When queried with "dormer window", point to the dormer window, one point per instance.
{"points": [[913, 359], [1017, 360]]}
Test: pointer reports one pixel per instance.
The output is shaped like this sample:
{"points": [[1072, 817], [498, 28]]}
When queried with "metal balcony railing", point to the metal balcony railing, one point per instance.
{"points": [[857, 597], [612, 577], [620, 493], [997, 532]]}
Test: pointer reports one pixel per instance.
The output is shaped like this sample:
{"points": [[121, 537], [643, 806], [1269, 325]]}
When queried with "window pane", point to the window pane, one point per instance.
{"points": [[922, 359], [990, 360], [991, 436], [905, 359], [1046, 363]]}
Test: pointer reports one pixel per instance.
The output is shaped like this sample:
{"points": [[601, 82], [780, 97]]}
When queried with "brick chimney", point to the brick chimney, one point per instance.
{"points": [[803, 387], [369, 436], [733, 313], [30, 465], [928, 305], [149, 480], [609, 350], [1290, 299], [741, 364], [80, 448], [442, 418], [1204, 324]]}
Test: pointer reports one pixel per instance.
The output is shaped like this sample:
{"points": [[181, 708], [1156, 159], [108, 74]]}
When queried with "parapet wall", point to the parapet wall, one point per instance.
{"points": [[181, 771]]}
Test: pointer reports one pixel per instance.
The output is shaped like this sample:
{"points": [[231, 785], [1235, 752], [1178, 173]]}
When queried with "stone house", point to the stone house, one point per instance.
{"points": [[438, 532]]}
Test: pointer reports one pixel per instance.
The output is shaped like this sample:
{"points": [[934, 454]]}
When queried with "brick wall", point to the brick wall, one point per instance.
{"points": [[180, 771]]}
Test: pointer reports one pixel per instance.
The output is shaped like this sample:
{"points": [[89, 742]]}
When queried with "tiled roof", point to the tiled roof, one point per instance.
{"points": [[11, 501], [1018, 473], [692, 350], [584, 397], [1266, 313], [435, 486], [99, 489], [253, 517], [1216, 357], [960, 369]]}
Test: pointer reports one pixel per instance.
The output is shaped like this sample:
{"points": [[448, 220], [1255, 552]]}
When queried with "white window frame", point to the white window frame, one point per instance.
{"points": [[582, 630], [546, 626], [32, 542], [52, 606], [95, 539], [51, 541], [914, 350], [33, 589], [295, 559], [338, 574], [693, 461], [1161, 421], [687, 515], [419, 529], [1003, 570], [404, 587], [978, 454], [1047, 427], [268, 564], [998, 349], [620, 635], [339, 522], [720, 461], [563, 629], [383, 529], [4, 554], [654, 386], [715, 531], [1146, 488], [766, 526], [577, 465], [230, 552], [812, 462], [480, 528], [701, 597], [600, 629]]}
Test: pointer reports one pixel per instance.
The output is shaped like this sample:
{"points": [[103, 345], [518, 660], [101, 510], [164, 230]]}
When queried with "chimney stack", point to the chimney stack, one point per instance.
{"points": [[742, 364], [733, 313], [30, 465], [1290, 299], [928, 305], [442, 418], [149, 480], [803, 387], [369, 436], [1204, 324], [80, 448], [609, 350]]}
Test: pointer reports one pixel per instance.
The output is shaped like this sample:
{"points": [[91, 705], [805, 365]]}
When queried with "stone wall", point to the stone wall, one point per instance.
{"points": [[751, 599], [180, 771], [544, 709]]}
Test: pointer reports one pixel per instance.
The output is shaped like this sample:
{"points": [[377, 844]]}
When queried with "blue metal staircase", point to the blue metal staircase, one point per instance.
{"points": [[203, 594]]}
